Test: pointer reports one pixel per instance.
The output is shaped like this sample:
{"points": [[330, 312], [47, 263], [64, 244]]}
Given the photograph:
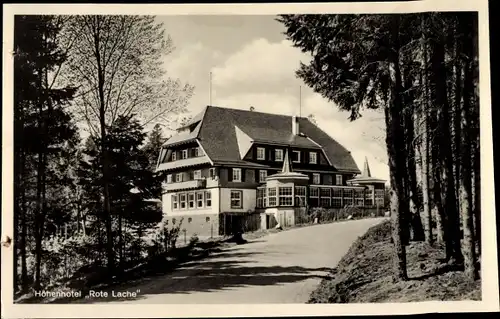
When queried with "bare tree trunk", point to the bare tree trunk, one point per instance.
{"points": [[468, 247], [415, 220], [448, 198], [104, 150], [434, 169], [475, 138], [424, 147], [395, 142], [40, 179], [20, 218]]}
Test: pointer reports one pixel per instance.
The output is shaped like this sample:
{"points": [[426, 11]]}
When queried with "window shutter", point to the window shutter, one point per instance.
{"points": [[230, 174], [243, 173]]}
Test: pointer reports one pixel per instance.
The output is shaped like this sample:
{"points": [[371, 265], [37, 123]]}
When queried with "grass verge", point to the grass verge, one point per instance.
{"points": [[364, 274]]}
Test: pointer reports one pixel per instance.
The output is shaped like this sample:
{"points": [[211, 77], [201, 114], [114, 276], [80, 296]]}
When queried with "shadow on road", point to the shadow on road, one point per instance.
{"points": [[223, 270]]}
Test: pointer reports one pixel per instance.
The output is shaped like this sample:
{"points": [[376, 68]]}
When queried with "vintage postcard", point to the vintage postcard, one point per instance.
{"points": [[247, 160]]}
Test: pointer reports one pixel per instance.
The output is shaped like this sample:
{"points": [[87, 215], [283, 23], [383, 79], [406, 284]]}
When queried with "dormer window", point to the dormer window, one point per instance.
{"points": [[174, 155], [296, 156], [261, 153], [184, 154], [313, 158], [278, 155], [196, 152]]}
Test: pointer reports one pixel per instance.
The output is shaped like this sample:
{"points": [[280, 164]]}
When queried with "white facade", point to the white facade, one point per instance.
{"points": [[168, 207], [248, 197], [220, 202]]}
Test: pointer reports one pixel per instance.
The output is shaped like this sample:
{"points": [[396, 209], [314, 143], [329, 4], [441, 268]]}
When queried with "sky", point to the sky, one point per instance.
{"points": [[253, 64]]}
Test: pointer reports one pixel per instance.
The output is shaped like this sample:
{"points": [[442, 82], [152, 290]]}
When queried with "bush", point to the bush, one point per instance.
{"points": [[194, 240]]}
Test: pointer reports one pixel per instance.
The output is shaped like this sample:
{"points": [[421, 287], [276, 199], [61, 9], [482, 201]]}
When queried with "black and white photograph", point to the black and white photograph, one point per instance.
{"points": [[296, 156]]}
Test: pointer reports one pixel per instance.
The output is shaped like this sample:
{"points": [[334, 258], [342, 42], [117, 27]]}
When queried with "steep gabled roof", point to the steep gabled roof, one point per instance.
{"points": [[217, 133]]}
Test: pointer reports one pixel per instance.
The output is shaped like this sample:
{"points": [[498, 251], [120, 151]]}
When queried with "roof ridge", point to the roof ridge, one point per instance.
{"points": [[248, 111]]}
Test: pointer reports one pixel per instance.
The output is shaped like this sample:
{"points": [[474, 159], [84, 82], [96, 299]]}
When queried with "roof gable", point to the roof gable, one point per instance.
{"points": [[244, 141]]}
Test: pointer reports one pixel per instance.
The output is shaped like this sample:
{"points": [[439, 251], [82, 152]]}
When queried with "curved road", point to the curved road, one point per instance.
{"points": [[284, 267]]}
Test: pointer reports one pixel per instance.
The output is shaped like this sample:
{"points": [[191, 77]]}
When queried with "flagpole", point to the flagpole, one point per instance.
{"points": [[210, 89], [300, 101]]}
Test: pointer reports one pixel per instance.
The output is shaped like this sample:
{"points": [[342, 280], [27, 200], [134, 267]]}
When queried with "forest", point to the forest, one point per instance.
{"points": [[421, 72], [91, 96], [89, 100]]}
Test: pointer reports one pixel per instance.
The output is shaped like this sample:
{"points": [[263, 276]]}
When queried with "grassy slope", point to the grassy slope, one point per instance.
{"points": [[365, 274]]}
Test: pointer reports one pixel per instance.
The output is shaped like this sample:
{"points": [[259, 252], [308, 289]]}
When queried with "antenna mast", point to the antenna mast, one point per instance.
{"points": [[210, 89], [300, 101]]}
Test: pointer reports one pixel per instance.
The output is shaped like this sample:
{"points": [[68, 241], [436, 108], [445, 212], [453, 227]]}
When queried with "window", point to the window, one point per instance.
{"points": [[178, 177], [197, 174], [360, 197], [379, 197], [314, 197], [313, 158], [184, 154], [174, 155], [207, 219], [236, 174], [316, 179], [338, 179], [278, 155], [173, 221], [337, 197], [262, 176], [286, 196], [191, 200], [271, 196], [325, 200], [208, 199], [175, 203], [211, 172], [236, 199], [261, 194], [169, 178], [199, 199], [368, 197], [261, 153], [300, 196], [196, 152], [348, 197], [190, 219], [296, 156], [183, 200]]}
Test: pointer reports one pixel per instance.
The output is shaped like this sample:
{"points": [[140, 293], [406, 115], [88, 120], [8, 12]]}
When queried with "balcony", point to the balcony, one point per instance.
{"points": [[181, 163], [193, 184]]}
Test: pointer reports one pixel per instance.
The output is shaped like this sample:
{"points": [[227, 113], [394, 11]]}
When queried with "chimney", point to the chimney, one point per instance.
{"points": [[295, 125]]}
